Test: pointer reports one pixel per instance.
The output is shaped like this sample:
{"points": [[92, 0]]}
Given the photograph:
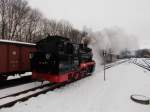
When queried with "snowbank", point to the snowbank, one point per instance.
{"points": [[92, 94]]}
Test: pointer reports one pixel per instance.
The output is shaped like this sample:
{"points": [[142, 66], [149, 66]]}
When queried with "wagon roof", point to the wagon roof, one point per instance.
{"points": [[15, 42]]}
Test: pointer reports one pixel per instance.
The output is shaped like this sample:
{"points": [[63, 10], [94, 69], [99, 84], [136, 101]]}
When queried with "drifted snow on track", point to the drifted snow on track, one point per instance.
{"points": [[93, 94]]}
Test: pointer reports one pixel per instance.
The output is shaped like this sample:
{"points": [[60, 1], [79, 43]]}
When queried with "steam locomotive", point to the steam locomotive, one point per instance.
{"points": [[58, 60]]}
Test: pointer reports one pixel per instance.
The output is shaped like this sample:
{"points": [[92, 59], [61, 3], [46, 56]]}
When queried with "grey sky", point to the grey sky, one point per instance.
{"points": [[131, 15]]}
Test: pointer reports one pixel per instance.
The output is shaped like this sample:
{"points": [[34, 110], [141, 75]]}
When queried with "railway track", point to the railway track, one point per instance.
{"points": [[142, 65], [25, 95], [114, 64], [146, 62], [10, 100], [15, 82], [25, 91]]}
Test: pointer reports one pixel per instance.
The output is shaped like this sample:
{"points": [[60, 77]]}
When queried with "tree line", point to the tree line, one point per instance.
{"points": [[20, 22]]}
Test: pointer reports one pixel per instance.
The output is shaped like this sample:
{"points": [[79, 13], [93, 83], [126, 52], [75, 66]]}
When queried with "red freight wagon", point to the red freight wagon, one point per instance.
{"points": [[14, 57]]}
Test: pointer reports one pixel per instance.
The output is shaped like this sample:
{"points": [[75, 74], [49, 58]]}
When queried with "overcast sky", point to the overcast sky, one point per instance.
{"points": [[131, 15]]}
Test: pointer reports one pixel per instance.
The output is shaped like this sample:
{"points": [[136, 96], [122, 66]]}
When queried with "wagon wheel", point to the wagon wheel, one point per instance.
{"points": [[86, 71], [3, 78], [75, 76], [140, 99]]}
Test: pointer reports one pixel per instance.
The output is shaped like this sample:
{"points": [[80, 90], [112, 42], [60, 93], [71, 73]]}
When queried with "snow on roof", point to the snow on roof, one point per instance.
{"points": [[15, 42]]}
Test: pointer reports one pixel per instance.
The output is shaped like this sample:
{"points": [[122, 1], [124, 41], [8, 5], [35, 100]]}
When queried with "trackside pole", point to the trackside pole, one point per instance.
{"points": [[104, 69], [104, 54]]}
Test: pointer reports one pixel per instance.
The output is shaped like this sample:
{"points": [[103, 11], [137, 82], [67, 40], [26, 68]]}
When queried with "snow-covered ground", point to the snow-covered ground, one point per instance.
{"points": [[93, 94]]}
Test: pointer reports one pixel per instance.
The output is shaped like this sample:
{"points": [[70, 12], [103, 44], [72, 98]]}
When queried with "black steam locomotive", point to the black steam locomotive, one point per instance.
{"points": [[58, 60]]}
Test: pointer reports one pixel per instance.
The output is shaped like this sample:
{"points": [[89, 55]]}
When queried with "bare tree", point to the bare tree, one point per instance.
{"points": [[20, 22], [64, 28], [3, 9], [20, 12], [32, 28]]}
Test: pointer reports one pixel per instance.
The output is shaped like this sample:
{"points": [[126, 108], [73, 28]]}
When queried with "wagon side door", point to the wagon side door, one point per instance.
{"points": [[13, 58]]}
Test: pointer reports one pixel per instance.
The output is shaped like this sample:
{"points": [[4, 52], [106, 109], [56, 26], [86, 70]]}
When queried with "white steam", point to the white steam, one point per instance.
{"points": [[114, 39]]}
